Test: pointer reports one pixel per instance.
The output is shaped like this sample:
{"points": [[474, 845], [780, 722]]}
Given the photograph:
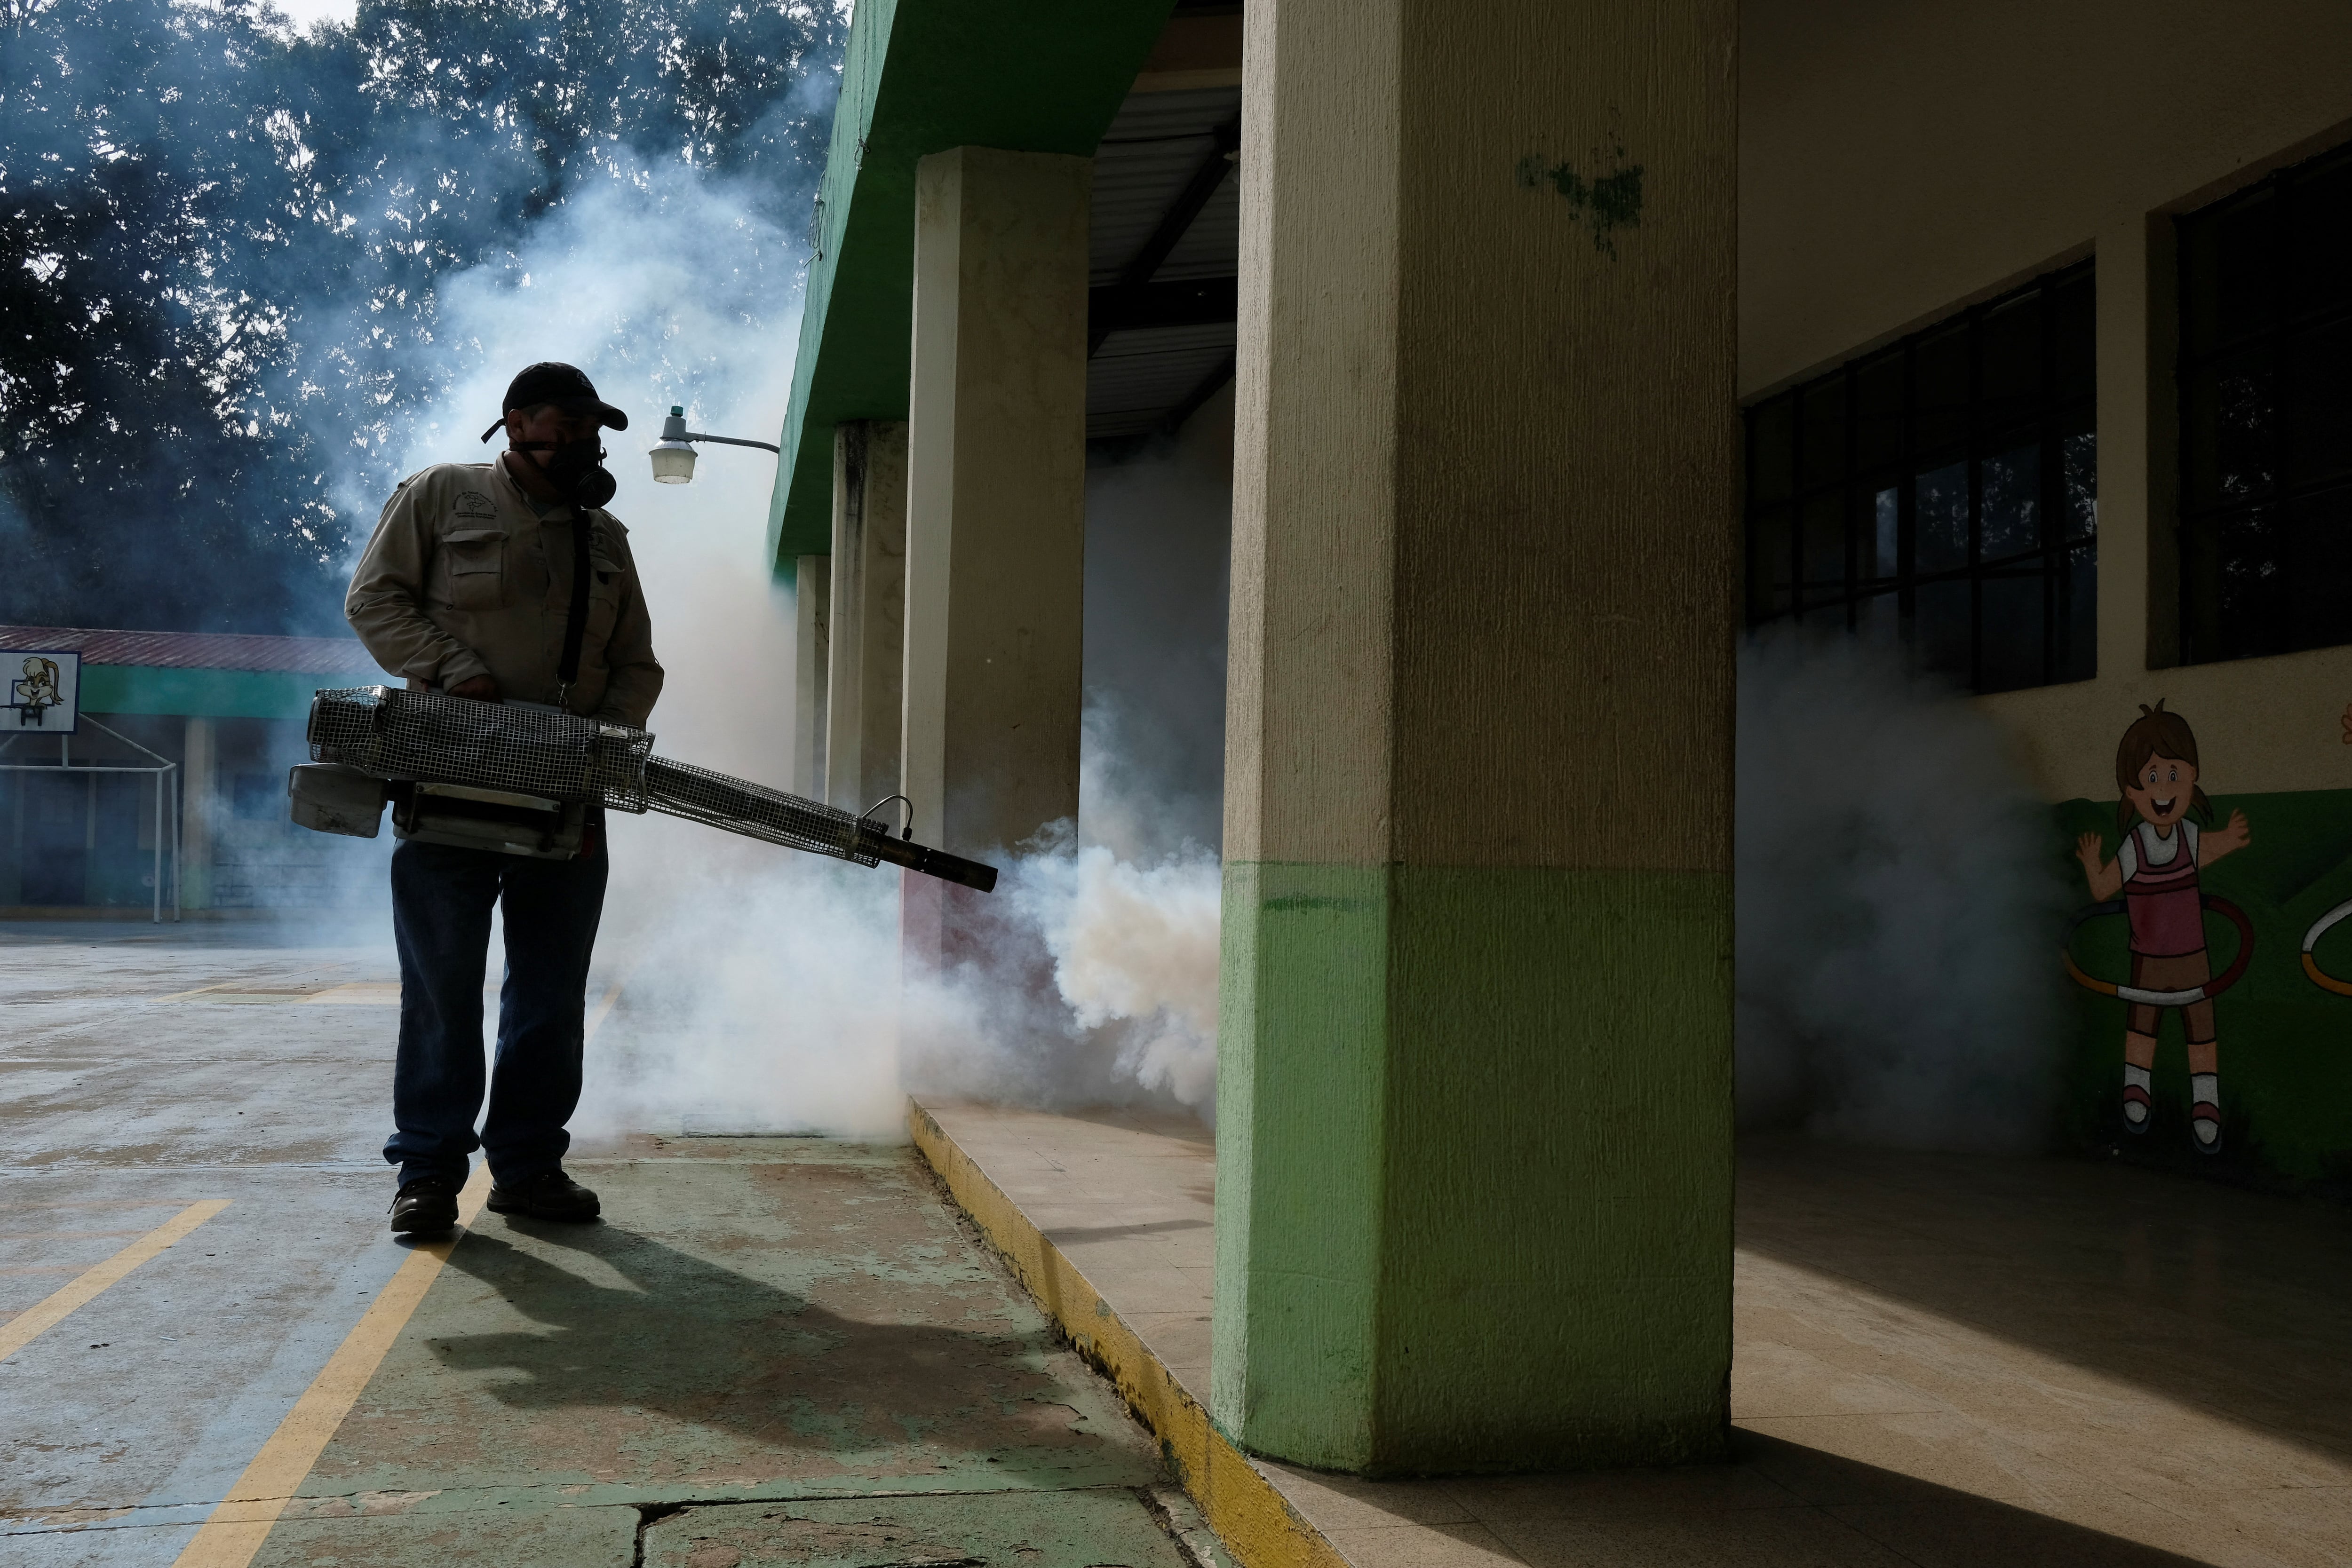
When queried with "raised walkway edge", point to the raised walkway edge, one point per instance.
{"points": [[1252, 1520]]}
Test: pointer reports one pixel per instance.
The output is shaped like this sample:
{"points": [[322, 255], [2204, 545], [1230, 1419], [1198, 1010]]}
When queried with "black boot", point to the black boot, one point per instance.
{"points": [[425, 1206], [549, 1195]]}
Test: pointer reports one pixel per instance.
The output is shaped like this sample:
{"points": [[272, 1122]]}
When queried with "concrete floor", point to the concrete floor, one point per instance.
{"points": [[771, 1351], [793, 1351], [1937, 1361]]}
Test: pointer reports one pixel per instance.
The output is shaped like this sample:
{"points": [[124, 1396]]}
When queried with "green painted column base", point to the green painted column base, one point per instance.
{"points": [[1473, 1168]]}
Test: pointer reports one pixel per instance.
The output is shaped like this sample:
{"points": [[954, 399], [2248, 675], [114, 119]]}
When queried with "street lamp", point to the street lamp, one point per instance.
{"points": [[674, 454]]}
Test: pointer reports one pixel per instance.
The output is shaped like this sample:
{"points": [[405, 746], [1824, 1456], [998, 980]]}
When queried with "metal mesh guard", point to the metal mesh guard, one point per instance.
{"points": [[682, 790], [424, 735]]}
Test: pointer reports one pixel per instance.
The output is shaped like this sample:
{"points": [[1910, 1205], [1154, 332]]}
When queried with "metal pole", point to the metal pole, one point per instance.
{"points": [[156, 877], [733, 441], [175, 846]]}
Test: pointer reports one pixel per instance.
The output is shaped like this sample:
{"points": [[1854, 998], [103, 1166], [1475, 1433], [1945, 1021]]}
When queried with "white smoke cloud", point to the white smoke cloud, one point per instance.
{"points": [[1896, 921], [760, 989], [1153, 756], [1135, 957], [750, 978], [1895, 930]]}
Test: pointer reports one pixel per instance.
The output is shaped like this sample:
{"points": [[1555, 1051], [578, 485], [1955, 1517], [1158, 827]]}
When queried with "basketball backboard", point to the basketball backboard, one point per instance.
{"points": [[43, 691]]}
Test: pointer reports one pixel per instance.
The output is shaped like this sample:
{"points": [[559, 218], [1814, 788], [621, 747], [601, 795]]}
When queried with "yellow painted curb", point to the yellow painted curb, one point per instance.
{"points": [[1253, 1519]]}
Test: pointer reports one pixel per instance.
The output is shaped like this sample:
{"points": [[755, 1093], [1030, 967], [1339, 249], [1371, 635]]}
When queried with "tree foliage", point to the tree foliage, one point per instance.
{"points": [[221, 242]]}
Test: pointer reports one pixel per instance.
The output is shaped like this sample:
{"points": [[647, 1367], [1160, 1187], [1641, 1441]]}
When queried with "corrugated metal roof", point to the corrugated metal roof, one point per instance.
{"points": [[1146, 158], [200, 650], [1139, 377], [1136, 378]]}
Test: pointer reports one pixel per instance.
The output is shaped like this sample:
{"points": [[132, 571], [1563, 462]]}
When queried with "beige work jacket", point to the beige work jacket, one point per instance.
{"points": [[463, 578]]}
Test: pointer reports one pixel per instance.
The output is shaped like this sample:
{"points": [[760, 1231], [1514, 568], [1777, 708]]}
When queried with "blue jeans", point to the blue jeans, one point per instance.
{"points": [[441, 900]]}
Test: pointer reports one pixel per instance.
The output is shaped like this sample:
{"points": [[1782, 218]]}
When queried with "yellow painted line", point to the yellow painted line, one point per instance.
{"points": [[90, 1204], [26, 1326], [200, 990], [603, 1012], [1249, 1517], [612, 995], [237, 1529], [357, 993]]}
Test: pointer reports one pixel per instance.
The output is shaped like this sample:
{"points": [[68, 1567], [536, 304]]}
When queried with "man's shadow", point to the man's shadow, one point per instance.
{"points": [[695, 1342]]}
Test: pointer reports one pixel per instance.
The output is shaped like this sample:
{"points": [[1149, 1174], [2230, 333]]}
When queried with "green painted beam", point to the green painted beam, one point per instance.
{"points": [[204, 694], [920, 77]]}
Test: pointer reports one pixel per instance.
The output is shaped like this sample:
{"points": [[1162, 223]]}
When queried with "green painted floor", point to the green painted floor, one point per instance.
{"points": [[804, 1329]]}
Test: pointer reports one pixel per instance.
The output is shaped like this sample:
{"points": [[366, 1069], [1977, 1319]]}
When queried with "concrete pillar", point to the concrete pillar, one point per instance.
{"points": [[812, 651], [1474, 1130], [870, 611], [199, 783], [995, 506]]}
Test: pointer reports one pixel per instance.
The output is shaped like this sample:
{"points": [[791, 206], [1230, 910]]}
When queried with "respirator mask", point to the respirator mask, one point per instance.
{"points": [[574, 468]]}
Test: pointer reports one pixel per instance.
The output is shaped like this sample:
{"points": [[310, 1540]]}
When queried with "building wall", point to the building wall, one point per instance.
{"points": [[1902, 158], [1899, 157], [87, 841], [260, 858]]}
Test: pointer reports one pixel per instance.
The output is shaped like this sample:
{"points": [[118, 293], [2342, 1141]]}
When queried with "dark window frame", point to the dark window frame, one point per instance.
{"points": [[1987, 432], [2260, 569]]}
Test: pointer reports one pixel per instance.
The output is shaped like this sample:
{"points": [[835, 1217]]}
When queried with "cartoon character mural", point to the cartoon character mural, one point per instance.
{"points": [[2163, 823], [2321, 926], [39, 691]]}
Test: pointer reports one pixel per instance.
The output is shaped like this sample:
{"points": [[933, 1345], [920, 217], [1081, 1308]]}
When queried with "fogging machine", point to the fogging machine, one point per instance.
{"points": [[519, 780]]}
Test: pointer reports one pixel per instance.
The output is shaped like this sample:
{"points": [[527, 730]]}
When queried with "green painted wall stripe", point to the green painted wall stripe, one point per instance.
{"points": [[920, 77], [207, 694], [1474, 1167], [1303, 1021], [1556, 1258]]}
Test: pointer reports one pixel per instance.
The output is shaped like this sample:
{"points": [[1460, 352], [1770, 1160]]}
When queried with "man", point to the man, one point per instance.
{"points": [[466, 588]]}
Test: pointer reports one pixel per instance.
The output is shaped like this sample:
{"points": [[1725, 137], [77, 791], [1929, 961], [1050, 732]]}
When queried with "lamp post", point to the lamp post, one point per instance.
{"points": [[673, 455]]}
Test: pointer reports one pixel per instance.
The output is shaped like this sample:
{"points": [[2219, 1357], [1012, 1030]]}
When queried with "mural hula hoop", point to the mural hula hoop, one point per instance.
{"points": [[2210, 988], [2319, 927]]}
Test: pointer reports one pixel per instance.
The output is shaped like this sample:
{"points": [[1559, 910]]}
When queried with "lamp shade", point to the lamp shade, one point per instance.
{"points": [[673, 463]]}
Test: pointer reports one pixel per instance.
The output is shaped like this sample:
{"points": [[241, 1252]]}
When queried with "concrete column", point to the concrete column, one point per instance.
{"points": [[995, 504], [812, 652], [199, 783], [870, 611], [1474, 1132]]}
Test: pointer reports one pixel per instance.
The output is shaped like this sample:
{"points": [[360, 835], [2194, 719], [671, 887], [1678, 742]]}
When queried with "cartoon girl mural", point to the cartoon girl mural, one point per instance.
{"points": [[2156, 869]]}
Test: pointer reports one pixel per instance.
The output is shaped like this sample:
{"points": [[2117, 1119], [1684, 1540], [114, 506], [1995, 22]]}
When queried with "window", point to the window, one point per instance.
{"points": [[2266, 416], [1941, 495]]}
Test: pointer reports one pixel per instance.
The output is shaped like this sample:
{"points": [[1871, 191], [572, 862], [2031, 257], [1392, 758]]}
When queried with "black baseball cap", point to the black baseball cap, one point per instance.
{"points": [[551, 382]]}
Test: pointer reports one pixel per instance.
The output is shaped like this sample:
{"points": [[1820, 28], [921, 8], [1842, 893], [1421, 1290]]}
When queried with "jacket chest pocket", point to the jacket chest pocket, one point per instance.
{"points": [[475, 560], [607, 583]]}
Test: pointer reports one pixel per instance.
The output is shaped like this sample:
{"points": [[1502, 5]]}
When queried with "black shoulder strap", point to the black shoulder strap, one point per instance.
{"points": [[575, 625]]}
